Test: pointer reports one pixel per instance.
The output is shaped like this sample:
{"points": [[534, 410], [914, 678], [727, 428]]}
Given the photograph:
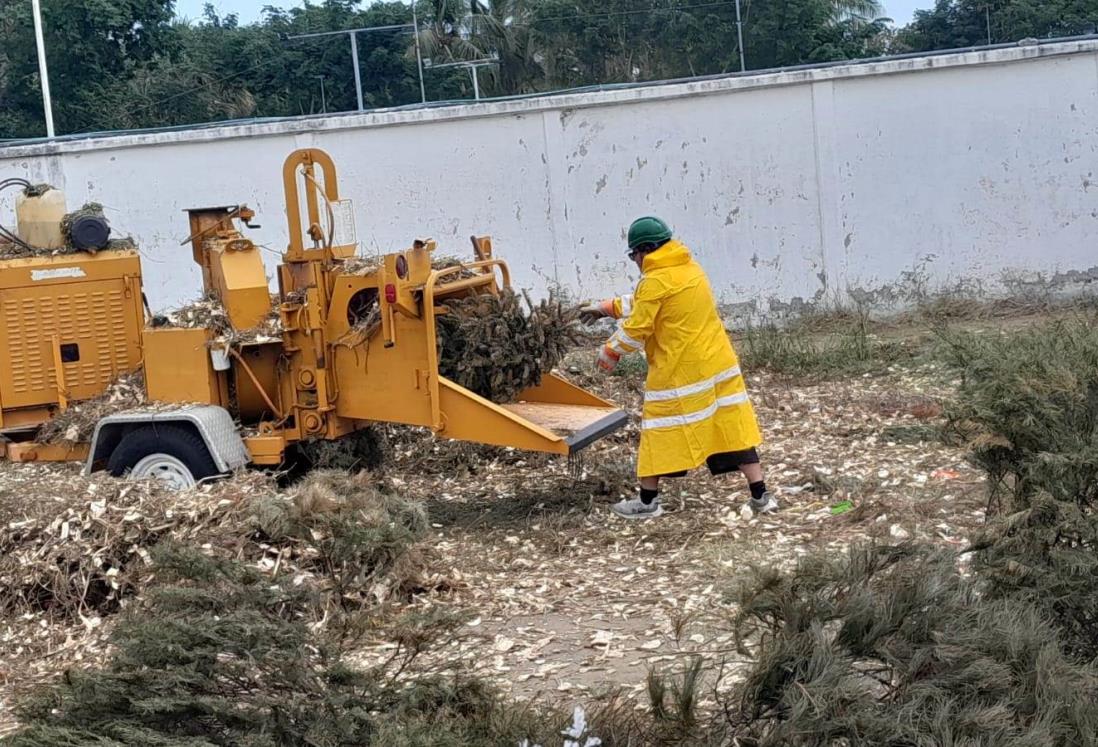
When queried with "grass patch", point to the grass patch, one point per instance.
{"points": [[845, 345], [950, 308]]}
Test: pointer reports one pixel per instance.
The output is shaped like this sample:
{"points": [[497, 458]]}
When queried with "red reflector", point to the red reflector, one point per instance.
{"points": [[390, 293]]}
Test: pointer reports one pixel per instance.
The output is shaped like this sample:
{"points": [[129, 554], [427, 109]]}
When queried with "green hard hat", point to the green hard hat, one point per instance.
{"points": [[648, 230]]}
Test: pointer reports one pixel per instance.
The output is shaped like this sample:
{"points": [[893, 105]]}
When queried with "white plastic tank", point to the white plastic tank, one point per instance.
{"points": [[38, 218]]}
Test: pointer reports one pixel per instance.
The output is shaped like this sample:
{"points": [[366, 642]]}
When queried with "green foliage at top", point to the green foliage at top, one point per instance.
{"points": [[119, 64], [130, 63], [95, 44], [953, 24]]}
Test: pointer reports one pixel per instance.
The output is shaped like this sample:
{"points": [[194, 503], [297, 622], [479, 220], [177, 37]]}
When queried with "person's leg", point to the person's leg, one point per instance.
{"points": [[649, 490], [762, 501], [753, 472], [746, 462]]}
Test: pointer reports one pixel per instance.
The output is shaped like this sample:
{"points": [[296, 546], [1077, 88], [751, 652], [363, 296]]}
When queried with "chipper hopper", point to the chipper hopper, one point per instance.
{"points": [[346, 343]]}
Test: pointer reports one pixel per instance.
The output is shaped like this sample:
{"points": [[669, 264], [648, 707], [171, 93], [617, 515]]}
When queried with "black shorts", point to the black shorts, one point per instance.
{"points": [[725, 462]]}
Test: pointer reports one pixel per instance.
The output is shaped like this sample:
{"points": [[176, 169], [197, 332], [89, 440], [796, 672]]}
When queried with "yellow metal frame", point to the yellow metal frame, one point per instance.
{"points": [[305, 162], [49, 301]]}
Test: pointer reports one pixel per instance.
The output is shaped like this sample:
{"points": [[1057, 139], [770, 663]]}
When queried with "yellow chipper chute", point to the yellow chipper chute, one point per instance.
{"points": [[357, 343]]}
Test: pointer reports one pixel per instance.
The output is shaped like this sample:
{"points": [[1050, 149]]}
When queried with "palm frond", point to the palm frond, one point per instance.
{"points": [[865, 10]]}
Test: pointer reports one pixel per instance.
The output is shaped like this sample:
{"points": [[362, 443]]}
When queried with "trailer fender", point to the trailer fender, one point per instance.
{"points": [[213, 424]]}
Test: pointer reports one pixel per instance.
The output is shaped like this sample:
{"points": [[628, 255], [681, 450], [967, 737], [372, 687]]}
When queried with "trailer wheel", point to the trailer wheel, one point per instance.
{"points": [[168, 452]]}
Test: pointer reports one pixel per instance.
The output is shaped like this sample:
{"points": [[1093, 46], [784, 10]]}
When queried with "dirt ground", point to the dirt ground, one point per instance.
{"points": [[568, 600], [563, 599]]}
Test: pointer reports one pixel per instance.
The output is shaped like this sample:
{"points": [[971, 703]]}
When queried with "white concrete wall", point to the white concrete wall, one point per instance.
{"points": [[792, 187]]}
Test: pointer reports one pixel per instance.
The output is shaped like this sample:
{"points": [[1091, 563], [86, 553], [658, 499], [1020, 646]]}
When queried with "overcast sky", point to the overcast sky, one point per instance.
{"points": [[898, 10]]}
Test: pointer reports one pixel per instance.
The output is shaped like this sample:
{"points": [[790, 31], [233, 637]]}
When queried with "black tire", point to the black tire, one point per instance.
{"points": [[172, 439]]}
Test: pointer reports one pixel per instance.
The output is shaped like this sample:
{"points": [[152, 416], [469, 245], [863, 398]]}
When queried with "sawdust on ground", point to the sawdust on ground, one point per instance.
{"points": [[563, 599]]}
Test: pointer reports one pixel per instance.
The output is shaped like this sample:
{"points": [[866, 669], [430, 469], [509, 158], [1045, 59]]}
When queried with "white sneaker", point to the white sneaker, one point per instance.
{"points": [[635, 508], [767, 504]]}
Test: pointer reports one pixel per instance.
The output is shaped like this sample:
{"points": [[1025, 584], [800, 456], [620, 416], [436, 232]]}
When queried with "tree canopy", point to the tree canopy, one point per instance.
{"points": [[124, 64], [953, 24]]}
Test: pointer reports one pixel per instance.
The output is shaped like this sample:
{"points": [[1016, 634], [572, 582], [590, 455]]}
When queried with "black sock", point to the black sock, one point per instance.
{"points": [[648, 496], [757, 490]]}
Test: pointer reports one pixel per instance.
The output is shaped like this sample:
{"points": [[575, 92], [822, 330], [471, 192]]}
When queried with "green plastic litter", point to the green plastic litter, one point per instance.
{"points": [[842, 507]]}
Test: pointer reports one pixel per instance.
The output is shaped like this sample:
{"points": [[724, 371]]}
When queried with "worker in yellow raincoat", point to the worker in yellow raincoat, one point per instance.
{"points": [[696, 407]]}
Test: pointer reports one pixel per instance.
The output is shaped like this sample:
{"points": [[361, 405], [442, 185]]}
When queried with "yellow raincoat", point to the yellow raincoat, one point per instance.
{"points": [[695, 403]]}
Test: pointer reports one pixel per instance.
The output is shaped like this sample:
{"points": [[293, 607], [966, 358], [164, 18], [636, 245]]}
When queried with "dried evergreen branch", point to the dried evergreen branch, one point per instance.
{"points": [[892, 646], [1028, 408], [496, 347]]}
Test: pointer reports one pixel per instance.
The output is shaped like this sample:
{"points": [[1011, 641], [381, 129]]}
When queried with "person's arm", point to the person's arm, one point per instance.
{"points": [[639, 325], [614, 308]]}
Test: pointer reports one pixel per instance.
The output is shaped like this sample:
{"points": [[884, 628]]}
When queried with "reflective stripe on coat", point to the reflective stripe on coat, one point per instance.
{"points": [[696, 402]]}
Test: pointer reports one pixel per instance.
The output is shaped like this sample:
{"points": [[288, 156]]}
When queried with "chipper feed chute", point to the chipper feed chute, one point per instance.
{"points": [[554, 417], [393, 374]]}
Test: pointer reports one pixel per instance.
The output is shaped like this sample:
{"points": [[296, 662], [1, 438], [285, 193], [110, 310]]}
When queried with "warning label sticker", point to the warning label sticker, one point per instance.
{"points": [[60, 272], [343, 219]]}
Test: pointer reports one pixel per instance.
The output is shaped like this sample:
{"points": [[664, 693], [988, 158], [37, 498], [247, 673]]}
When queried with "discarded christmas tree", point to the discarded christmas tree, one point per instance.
{"points": [[1028, 409], [893, 646], [499, 345]]}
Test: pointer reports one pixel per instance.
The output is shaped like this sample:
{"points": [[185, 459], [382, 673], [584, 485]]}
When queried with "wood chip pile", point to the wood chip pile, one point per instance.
{"points": [[73, 547], [209, 313], [362, 266], [445, 263], [498, 346], [204, 313], [77, 423]]}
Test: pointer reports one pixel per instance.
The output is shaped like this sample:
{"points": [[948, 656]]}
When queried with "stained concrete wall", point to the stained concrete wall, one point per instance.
{"points": [[876, 179]]}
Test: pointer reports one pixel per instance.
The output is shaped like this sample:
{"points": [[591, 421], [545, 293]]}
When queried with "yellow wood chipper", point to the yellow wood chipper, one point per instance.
{"points": [[353, 347]]}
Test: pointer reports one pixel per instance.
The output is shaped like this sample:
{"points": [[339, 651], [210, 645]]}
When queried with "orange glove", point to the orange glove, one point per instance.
{"points": [[608, 359], [597, 310]]}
